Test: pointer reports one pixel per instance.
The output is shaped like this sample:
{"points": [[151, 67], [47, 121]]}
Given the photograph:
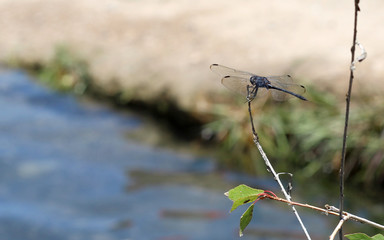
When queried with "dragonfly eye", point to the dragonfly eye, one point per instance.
{"points": [[253, 80]]}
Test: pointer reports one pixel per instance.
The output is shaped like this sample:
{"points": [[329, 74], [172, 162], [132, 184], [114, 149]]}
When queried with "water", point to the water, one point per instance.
{"points": [[67, 171]]}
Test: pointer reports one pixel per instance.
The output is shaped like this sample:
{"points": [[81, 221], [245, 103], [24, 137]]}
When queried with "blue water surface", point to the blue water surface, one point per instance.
{"points": [[68, 171]]}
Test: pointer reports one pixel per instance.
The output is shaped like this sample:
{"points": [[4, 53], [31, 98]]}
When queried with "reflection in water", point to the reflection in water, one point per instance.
{"points": [[67, 171], [209, 181], [191, 214]]}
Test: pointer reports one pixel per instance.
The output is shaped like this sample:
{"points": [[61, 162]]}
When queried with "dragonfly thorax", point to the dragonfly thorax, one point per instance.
{"points": [[259, 82]]}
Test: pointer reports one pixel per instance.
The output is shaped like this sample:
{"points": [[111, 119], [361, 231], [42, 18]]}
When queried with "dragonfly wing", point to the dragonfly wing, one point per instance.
{"points": [[226, 71], [280, 96], [285, 82], [238, 85]]}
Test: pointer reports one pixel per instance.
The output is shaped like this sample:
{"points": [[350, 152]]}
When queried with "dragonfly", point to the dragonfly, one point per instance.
{"points": [[251, 85]]}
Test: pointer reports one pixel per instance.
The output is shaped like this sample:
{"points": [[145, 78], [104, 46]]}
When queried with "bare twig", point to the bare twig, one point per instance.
{"points": [[348, 100], [327, 210], [354, 217], [338, 227], [271, 170]]}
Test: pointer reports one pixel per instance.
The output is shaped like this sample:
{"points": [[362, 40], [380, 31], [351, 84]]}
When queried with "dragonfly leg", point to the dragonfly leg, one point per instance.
{"points": [[251, 92], [248, 94]]}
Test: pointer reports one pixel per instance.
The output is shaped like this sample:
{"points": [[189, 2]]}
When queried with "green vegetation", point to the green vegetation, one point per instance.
{"points": [[362, 236], [241, 195], [244, 194], [306, 137], [65, 72]]}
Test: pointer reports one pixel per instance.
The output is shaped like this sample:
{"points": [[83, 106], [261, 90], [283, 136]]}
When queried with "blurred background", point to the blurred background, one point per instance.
{"points": [[113, 126]]}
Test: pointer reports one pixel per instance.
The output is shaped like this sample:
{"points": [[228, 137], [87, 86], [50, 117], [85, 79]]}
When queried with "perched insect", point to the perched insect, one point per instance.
{"points": [[251, 85]]}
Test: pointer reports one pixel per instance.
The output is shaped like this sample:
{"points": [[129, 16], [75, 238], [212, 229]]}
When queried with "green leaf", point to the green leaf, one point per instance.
{"points": [[242, 194], [246, 219], [378, 237], [358, 236], [363, 236]]}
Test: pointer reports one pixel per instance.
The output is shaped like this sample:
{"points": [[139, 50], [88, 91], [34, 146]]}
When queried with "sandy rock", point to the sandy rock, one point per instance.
{"points": [[154, 47]]}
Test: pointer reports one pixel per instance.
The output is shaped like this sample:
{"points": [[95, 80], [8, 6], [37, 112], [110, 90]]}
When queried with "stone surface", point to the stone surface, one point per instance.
{"points": [[154, 47]]}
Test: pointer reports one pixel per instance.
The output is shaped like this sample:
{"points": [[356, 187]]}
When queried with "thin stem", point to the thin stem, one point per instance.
{"points": [[271, 170], [348, 100], [255, 136], [356, 218], [328, 210], [338, 228]]}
